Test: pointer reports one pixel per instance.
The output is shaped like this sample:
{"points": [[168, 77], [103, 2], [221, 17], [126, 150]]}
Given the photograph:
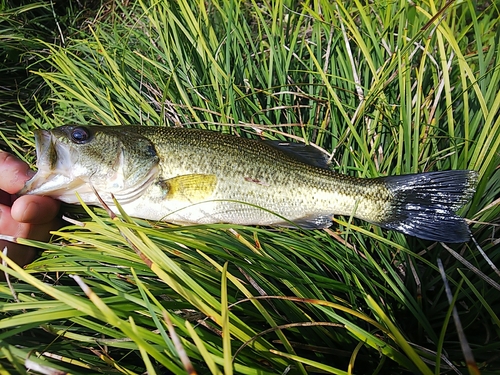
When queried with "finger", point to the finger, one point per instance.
{"points": [[14, 173], [34, 209], [10, 226], [20, 254]]}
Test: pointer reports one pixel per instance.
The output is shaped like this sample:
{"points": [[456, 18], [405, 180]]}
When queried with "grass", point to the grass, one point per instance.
{"points": [[383, 88]]}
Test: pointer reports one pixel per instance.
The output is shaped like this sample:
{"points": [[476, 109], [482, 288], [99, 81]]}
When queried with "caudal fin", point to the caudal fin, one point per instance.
{"points": [[425, 204]]}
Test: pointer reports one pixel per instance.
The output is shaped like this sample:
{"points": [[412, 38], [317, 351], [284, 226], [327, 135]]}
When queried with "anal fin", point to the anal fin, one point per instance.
{"points": [[309, 222]]}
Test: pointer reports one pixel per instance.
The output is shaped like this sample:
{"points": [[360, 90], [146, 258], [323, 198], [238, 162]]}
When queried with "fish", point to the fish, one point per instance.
{"points": [[192, 176]]}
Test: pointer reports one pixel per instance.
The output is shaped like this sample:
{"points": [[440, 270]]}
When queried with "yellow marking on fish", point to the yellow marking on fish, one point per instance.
{"points": [[190, 187]]}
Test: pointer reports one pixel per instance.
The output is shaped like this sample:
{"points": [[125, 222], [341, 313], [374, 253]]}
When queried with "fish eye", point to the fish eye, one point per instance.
{"points": [[80, 135]]}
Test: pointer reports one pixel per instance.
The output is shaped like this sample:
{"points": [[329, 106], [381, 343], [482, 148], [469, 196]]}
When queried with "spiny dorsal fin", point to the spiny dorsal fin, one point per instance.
{"points": [[189, 187], [305, 153]]}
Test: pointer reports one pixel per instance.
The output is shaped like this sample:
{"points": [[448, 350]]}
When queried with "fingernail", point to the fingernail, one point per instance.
{"points": [[30, 173]]}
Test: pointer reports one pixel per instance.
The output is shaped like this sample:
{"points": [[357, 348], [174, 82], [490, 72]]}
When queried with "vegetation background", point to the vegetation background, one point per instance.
{"points": [[384, 87]]}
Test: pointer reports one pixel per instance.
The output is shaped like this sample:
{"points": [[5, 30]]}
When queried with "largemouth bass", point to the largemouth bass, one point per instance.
{"points": [[196, 176]]}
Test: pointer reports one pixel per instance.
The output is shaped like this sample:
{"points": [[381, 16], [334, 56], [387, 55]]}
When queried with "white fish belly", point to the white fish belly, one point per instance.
{"points": [[205, 212]]}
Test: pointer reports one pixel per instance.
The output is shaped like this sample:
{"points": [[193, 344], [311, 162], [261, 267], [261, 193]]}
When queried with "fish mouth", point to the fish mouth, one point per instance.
{"points": [[54, 165], [46, 154]]}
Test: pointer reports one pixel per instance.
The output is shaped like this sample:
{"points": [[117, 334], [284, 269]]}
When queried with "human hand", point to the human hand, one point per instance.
{"points": [[28, 216]]}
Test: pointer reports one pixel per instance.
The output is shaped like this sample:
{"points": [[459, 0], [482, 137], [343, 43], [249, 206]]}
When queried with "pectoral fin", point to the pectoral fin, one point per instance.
{"points": [[190, 188]]}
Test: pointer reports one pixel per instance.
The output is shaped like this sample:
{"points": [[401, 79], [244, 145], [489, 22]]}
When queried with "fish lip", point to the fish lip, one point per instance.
{"points": [[43, 142], [45, 150]]}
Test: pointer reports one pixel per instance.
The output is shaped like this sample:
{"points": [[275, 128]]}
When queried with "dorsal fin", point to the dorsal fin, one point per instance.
{"points": [[305, 153]]}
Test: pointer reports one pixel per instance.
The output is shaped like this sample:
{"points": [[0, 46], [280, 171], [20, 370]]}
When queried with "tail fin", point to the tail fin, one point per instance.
{"points": [[425, 204]]}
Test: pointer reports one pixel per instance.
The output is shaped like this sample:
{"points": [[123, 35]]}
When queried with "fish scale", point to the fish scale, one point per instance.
{"points": [[200, 177]]}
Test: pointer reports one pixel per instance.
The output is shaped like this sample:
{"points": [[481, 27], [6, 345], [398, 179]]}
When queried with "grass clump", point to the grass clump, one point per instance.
{"points": [[382, 88]]}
